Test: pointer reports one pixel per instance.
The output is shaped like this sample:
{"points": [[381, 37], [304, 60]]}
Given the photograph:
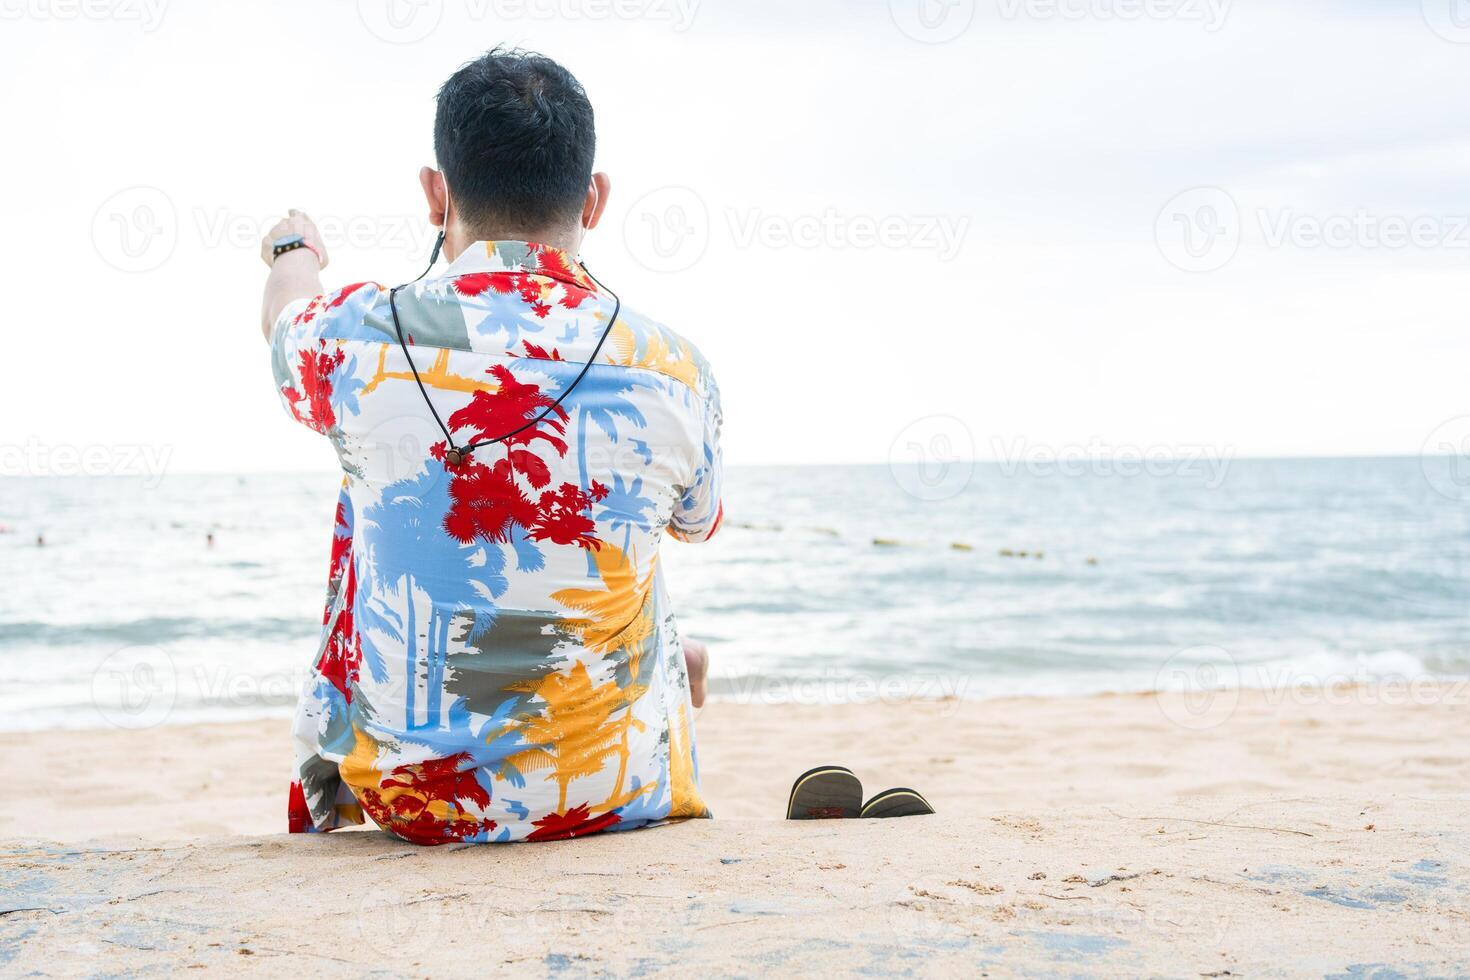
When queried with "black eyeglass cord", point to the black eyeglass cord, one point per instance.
{"points": [[456, 455]]}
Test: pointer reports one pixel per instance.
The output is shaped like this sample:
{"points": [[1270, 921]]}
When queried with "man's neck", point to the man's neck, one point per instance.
{"points": [[457, 238]]}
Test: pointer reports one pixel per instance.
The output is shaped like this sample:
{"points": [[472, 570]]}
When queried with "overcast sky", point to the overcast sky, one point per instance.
{"points": [[1148, 224]]}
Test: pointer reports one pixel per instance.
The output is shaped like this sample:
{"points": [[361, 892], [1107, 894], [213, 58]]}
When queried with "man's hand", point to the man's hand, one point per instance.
{"points": [[295, 275], [295, 223]]}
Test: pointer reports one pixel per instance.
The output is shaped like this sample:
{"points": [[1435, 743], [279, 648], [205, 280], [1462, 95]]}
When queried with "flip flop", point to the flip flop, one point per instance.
{"points": [[825, 793], [898, 802]]}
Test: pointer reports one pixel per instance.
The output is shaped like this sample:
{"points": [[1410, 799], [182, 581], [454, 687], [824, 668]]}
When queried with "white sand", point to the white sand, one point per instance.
{"points": [[1290, 839]]}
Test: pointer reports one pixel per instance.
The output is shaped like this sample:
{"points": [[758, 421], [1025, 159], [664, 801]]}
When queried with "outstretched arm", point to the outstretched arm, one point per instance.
{"points": [[296, 274]]}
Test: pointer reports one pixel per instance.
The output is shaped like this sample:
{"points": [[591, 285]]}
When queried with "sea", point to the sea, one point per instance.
{"points": [[137, 601]]}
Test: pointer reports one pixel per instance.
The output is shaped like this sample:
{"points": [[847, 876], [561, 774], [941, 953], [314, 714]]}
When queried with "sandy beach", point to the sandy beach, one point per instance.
{"points": [[1325, 833]]}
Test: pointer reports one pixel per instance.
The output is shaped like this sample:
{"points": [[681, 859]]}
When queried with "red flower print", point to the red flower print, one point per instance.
{"points": [[341, 551], [309, 314], [563, 519], [540, 353], [528, 287], [573, 296], [298, 814], [576, 822], [440, 780], [316, 380], [489, 416], [475, 284], [484, 502], [346, 292], [556, 263], [341, 659]]}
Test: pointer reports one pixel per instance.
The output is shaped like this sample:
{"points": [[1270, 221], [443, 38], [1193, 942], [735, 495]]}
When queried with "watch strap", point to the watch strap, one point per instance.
{"points": [[290, 244]]}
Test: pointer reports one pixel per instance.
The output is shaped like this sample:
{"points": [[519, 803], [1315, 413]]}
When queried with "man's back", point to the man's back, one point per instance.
{"points": [[500, 661]]}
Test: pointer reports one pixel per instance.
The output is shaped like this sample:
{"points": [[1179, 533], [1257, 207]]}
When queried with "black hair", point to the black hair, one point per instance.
{"points": [[515, 138]]}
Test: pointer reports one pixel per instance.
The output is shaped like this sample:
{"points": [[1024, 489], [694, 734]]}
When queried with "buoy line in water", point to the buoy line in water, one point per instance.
{"points": [[962, 546]]}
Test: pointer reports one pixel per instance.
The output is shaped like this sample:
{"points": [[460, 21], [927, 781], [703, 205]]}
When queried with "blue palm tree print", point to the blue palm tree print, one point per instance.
{"points": [[625, 506]]}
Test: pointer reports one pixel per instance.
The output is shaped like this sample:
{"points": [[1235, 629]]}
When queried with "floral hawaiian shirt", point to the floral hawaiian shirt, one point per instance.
{"points": [[499, 660]]}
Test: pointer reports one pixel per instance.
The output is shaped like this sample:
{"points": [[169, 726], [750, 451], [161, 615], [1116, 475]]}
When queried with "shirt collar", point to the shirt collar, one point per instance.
{"points": [[524, 257]]}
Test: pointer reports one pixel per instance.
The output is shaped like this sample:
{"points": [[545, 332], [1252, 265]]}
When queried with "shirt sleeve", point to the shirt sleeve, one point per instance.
{"points": [[312, 371], [700, 509]]}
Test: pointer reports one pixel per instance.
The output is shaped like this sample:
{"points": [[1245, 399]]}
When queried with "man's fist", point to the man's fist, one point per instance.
{"points": [[295, 223]]}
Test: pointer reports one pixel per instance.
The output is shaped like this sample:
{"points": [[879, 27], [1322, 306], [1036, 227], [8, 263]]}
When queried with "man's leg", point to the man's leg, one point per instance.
{"points": [[696, 658]]}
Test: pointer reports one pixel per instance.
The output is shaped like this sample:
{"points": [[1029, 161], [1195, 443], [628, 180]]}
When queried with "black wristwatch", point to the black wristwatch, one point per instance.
{"points": [[290, 244]]}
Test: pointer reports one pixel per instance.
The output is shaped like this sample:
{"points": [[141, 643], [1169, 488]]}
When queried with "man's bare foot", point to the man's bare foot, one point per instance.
{"points": [[696, 658]]}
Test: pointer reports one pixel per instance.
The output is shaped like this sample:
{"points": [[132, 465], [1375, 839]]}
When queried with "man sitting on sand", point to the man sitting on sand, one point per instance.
{"points": [[499, 660]]}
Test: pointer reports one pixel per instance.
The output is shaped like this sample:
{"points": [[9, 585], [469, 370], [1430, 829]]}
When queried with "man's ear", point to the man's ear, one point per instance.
{"points": [[436, 192], [597, 194]]}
